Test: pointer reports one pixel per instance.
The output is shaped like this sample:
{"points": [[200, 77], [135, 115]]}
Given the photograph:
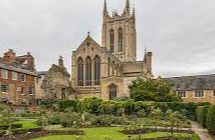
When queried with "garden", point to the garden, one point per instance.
{"points": [[94, 118], [157, 114]]}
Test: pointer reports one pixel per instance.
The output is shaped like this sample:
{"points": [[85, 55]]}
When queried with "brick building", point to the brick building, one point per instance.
{"points": [[198, 88], [17, 79]]}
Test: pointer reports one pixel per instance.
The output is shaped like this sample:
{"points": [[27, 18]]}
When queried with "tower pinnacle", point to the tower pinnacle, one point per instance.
{"points": [[127, 4], [105, 6]]}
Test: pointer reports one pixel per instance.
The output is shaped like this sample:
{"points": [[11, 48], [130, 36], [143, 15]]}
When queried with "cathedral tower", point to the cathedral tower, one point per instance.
{"points": [[119, 33]]}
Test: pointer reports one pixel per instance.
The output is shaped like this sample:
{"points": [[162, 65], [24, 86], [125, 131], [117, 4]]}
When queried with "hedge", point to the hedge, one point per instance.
{"points": [[13, 126], [201, 115], [206, 117], [22, 130], [99, 107], [210, 122]]}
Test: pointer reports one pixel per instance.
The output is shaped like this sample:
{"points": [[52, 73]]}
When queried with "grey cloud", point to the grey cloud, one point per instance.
{"points": [[180, 33]]}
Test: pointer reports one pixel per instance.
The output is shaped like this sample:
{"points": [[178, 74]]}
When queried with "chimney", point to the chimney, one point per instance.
{"points": [[9, 56], [60, 61]]}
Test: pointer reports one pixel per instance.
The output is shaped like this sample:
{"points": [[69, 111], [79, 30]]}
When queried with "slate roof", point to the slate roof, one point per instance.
{"points": [[17, 69], [197, 82]]}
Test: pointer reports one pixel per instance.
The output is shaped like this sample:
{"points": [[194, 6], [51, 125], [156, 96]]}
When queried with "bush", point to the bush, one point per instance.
{"points": [[211, 119], [54, 119], [71, 105], [201, 115], [70, 120], [25, 130]]}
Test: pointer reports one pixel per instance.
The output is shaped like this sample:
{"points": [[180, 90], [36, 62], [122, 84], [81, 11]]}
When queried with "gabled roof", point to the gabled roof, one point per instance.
{"points": [[103, 49], [196, 82]]}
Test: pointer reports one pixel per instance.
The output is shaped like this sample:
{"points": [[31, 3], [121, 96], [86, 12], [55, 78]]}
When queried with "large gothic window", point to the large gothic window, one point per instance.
{"points": [[112, 92], [80, 72], [111, 40], [120, 40], [88, 71], [97, 70]]}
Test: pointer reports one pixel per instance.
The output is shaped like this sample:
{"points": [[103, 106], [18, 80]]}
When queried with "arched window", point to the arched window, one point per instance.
{"points": [[113, 68], [120, 40], [80, 72], [88, 71], [109, 66], [112, 92], [97, 70], [111, 40]]}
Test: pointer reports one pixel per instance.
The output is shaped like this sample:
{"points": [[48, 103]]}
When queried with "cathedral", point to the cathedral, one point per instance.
{"points": [[106, 70]]}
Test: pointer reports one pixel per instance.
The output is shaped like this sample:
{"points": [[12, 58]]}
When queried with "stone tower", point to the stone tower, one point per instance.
{"points": [[119, 33]]}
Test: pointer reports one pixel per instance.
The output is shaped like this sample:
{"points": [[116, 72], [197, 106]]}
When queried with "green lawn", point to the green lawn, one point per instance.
{"points": [[108, 132], [27, 123]]}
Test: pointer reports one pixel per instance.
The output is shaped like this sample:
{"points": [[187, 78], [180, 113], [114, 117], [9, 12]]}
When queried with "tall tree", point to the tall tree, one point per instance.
{"points": [[153, 90]]}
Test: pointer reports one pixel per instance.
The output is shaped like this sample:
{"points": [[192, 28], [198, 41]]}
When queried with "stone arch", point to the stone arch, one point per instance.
{"points": [[112, 89]]}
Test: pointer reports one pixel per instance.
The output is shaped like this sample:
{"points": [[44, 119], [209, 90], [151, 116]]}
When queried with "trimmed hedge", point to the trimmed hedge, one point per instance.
{"points": [[206, 117], [210, 122], [22, 130], [130, 107], [201, 115], [13, 126]]}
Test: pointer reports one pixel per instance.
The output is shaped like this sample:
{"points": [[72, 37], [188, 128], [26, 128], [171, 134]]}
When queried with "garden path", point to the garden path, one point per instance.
{"points": [[203, 133]]}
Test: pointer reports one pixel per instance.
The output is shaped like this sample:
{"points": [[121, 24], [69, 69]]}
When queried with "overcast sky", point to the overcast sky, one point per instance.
{"points": [[180, 33]]}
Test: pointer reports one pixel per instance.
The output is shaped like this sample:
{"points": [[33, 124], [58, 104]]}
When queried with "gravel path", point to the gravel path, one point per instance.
{"points": [[203, 133]]}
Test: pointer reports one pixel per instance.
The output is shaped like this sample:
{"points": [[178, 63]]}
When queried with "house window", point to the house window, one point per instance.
{"points": [[14, 76], [199, 93], [182, 94], [23, 77], [22, 91], [4, 74], [4, 88], [31, 91]]}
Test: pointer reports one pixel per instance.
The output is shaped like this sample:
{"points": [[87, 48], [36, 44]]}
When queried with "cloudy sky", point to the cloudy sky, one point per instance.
{"points": [[180, 33]]}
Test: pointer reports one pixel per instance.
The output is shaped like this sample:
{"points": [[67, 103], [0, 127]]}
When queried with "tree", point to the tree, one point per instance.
{"points": [[8, 117], [176, 120], [153, 90]]}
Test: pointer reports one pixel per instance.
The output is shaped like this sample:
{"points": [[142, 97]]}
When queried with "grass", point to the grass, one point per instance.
{"points": [[27, 123], [114, 133]]}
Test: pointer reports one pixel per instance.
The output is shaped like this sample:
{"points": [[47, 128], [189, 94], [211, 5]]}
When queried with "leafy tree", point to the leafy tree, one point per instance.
{"points": [[153, 90], [155, 115], [7, 116], [176, 119]]}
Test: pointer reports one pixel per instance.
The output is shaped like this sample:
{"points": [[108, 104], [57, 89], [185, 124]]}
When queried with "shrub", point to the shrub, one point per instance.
{"points": [[71, 105], [70, 119], [201, 115], [211, 119], [54, 119]]}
